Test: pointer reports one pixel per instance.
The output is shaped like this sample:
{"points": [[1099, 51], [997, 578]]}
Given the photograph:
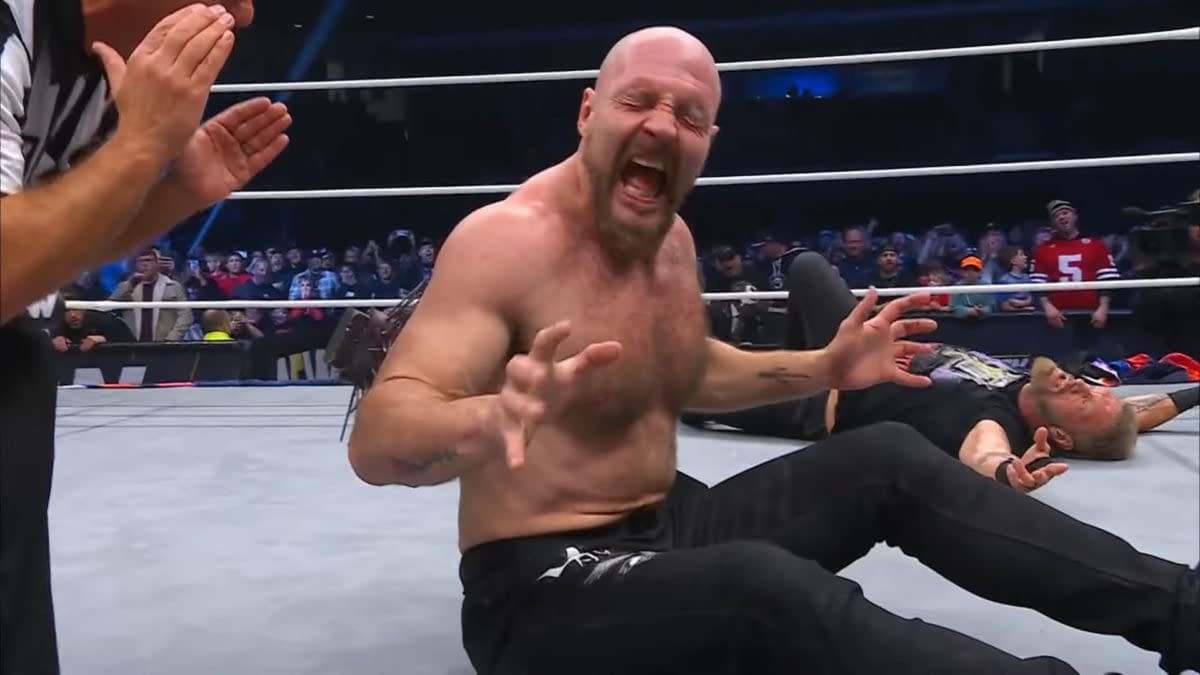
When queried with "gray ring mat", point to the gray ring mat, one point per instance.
{"points": [[221, 530]]}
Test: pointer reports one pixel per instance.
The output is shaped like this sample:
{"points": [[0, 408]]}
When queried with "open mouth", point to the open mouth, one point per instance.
{"points": [[644, 180]]}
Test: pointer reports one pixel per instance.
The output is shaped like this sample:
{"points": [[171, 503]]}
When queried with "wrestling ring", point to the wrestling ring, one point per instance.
{"points": [[221, 530]]}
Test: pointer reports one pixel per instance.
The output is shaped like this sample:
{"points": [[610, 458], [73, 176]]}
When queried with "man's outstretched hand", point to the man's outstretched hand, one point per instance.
{"points": [[865, 350], [537, 386], [1021, 478]]}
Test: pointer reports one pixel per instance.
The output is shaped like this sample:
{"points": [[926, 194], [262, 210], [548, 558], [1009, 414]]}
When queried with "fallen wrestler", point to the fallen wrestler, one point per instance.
{"points": [[545, 368], [978, 408]]}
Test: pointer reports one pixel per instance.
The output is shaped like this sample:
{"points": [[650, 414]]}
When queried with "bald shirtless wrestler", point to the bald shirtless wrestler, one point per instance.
{"points": [[553, 396]]}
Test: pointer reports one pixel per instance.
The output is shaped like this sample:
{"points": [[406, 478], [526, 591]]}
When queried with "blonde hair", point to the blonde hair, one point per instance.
{"points": [[1114, 444], [215, 320]]}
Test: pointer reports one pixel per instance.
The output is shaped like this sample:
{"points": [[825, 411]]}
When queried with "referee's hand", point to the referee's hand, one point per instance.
{"points": [[162, 90]]}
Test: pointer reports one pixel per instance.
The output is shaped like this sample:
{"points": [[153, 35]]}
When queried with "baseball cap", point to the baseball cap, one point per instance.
{"points": [[1057, 205], [971, 261], [724, 252]]}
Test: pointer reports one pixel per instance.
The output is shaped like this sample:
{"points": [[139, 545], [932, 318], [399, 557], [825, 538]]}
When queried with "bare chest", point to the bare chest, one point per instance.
{"points": [[660, 325]]}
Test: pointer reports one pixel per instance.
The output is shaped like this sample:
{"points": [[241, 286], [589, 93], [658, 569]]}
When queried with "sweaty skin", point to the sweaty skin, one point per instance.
{"points": [[587, 242], [563, 333]]}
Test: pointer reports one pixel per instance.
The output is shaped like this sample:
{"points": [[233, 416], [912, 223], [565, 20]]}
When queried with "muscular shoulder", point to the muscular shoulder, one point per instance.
{"points": [[502, 247], [680, 245]]}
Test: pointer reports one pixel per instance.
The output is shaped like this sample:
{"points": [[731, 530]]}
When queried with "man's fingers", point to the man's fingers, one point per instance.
{"points": [[526, 373], [595, 355], [155, 37], [862, 311], [1018, 475], [262, 159], [199, 47], [265, 137], [547, 340], [905, 350], [190, 25], [248, 119], [907, 379], [239, 114], [114, 65], [1041, 440], [514, 447], [893, 310], [211, 66], [906, 327]]}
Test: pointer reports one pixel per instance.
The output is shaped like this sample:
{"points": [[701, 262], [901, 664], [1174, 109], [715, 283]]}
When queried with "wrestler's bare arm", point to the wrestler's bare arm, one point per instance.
{"points": [[50, 233], [426, 420], [985, 448], [1152, 410], [736, 380]]}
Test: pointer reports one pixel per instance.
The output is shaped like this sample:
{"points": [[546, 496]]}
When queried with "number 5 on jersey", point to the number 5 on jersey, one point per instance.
{"points": [[1069, 267]]}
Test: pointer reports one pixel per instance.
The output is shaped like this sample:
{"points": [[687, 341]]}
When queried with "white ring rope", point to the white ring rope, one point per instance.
{"points": [[712, 181], [765, 64], [109, 305]]}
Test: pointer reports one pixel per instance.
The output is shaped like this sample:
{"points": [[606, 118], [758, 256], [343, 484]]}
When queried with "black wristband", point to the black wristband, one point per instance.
{"points": [[1185, 399], [1002, 471], [1040, 463]]}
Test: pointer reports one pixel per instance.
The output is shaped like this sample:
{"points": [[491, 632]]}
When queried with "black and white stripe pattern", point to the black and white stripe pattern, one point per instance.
{"points": [[54, 107]]}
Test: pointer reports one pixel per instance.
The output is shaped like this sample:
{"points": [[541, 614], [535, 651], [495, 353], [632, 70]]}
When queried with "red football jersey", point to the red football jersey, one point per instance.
{"points": [[1078, 259]]}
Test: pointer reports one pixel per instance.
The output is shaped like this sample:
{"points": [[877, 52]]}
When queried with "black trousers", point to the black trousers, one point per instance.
{"points": [[28, 396], [741, 577]]}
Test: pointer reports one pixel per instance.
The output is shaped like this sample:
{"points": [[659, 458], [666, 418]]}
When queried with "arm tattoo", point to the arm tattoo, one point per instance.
{"points": [[1144, 403], [782, 375], [422, 465]]}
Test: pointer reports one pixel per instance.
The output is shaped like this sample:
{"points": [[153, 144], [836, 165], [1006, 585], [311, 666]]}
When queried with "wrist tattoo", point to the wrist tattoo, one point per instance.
{"points": [[419, 466], [1143, 403], [781, 375]]}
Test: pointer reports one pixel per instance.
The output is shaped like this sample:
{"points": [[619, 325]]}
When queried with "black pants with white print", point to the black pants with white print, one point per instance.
{"points": [[741, 577]]}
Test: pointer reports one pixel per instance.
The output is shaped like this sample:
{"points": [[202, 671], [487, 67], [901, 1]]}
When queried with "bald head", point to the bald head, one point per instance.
{"points": [[661, 48]]}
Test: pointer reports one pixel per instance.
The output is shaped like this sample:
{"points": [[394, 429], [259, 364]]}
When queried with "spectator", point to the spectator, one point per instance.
{"points": [[305, 315], [217, 325], [212, 264], [148, 284], [329, 261], [906, 245], [990, 245], [235, 274], [1013, 259], [348, 286], [385, 284], [86, 329], [972, 305], [259, 286], [730, 268], [1070, 257], [427, 255], [353, 257], [934, 274], [295, 263], [197, 283], [88, 288], [371, 255], [243, 325], [889, 273], [324, 281], [279, 274], [774, 257], [857, 267]]}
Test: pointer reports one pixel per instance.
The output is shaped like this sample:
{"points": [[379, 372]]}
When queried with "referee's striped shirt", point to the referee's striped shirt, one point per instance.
{"points": [[54, 102]]}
